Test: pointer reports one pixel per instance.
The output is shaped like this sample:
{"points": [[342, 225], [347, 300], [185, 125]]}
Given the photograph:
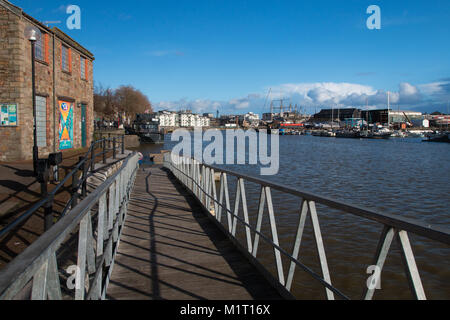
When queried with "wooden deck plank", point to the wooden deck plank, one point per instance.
{"points": [[171, 250]]}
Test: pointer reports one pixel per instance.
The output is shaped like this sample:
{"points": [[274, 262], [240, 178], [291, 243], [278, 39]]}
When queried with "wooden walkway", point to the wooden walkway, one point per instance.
{"points": [[170, 249]]}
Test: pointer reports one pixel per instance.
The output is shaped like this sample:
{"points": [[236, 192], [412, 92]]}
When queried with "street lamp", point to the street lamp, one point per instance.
{"points": [[33, 34]]}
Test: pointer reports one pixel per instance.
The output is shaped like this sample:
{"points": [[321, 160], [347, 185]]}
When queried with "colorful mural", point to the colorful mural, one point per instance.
{"points": [[65, 125]]}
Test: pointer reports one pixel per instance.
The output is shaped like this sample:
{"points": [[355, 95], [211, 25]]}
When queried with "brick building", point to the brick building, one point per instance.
{"points": [[64, 89]]}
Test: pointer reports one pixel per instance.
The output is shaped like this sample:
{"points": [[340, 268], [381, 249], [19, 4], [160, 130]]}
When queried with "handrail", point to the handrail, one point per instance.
{"points": [[437, 233], [199, 179], [50, 196], [96, 250]]}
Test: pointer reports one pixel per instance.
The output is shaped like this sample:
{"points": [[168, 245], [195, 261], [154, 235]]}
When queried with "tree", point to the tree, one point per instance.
{"points": [[104, 100], [131, 101], [124, 100]]}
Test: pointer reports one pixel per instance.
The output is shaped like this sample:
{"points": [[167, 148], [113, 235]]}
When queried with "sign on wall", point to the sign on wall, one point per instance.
{"points": [[65, 125], [8, 114]]}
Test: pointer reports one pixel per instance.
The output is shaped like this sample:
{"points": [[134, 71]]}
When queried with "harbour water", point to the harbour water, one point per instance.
{"points": [[404, 177]]}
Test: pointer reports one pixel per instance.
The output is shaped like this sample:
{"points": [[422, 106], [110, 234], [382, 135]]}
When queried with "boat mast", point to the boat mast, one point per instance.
{"points": [[389, 106], [367, 115], [332, 115]]}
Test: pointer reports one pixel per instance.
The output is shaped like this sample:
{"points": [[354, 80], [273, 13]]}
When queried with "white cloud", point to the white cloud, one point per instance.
{"points": [[318, 95]]}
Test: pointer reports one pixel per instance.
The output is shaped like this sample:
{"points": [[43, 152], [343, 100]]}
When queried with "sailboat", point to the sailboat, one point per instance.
{"points": [[380, 132]]}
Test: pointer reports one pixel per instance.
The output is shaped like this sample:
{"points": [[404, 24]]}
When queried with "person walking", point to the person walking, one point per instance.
{"points": [[141, 160]]}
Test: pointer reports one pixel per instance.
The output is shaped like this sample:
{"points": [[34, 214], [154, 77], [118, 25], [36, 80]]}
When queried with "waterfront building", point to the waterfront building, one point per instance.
{"points": [[337, 114], [208, 115], [181, 119], [441, 120], [395, 116], [64, 89], [267, 116], [167, 119]]}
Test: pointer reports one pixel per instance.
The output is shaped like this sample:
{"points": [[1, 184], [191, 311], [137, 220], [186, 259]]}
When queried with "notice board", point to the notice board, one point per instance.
{"points": [[8, 114]]}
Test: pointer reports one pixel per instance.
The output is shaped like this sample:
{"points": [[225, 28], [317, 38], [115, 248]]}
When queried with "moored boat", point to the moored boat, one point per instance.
{"points": [[147, 128], [438, 137]]}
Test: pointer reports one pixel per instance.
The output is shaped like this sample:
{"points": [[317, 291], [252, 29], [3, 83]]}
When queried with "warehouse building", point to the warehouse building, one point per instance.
{"points": [[64, 89]]}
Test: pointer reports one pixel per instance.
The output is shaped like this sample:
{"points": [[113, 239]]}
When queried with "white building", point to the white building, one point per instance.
{"points": [[167, 119], [189, 120]]}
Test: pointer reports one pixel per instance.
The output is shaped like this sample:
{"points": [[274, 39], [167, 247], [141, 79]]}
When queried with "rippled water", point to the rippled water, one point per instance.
{"points": [[405, 177]]}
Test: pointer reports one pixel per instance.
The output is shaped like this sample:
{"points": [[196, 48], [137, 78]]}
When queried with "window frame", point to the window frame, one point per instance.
{"points": [[42, 44], [83, 67], [68, 59]]}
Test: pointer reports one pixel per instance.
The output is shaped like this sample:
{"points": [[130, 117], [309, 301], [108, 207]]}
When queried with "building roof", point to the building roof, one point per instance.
{"points": [[395, 111], [56, 31]]}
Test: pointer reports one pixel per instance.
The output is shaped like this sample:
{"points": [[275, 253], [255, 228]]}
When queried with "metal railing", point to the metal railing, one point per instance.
{"points": [[78, 188], [98, 220], [199, 179]]}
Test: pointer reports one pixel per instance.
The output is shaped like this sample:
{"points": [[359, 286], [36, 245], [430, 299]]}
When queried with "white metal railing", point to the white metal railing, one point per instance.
{"points": [[200, 179], [35, 273]]}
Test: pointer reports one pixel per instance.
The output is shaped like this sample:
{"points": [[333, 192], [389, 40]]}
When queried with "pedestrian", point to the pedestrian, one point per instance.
{"points": [[141, 160]]}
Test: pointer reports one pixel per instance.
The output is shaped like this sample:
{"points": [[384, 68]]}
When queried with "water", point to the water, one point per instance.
{"points": [[405, 177]]}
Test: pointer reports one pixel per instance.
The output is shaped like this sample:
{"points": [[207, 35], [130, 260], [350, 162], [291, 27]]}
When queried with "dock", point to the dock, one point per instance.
{"points": [[168, 232], [169, 249]]}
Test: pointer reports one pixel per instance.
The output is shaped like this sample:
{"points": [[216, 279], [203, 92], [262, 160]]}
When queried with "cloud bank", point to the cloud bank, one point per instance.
{"points": [[314, 96]]}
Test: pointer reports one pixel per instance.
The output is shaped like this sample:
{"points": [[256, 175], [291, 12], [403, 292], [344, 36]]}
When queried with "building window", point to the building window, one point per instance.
{"points": [[41, 121], [41, 48], [83, 65], [66, 59]]}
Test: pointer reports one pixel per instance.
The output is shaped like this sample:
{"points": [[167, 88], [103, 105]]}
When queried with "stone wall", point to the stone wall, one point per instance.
{"points": [[10, 80]]}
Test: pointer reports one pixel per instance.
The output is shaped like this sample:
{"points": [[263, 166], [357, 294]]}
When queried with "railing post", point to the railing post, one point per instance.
{"points": [[48, 207], [114, 148], [123, 144], [75, 181], [104, 151], [83, 168], [109, 140], [94, 144]]}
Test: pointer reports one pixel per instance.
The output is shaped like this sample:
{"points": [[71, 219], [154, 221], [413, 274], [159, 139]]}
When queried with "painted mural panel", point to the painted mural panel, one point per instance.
{"points": [[65, 125]]}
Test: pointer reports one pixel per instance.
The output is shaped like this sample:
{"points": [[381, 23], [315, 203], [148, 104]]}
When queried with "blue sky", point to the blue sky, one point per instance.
{"points": [[212, 54]]}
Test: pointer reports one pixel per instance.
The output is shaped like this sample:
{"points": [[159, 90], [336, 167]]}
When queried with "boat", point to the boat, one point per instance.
{"points": [[399, 134], [415, 134], [381, 133], [350, 134], [437, 136], [328, 133], [323, 133], [148, 129], [378, 133], [316, 133]]}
